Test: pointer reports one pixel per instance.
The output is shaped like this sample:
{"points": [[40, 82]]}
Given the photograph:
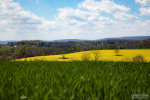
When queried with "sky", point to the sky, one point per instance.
{"points": [[73, 19]]}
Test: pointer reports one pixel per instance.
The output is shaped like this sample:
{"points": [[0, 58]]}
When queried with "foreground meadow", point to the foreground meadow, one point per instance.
{"points": [[73, 80], [103, 55]]}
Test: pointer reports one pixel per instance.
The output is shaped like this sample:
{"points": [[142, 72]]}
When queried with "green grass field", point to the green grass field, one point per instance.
{"points": [[73, 80]]}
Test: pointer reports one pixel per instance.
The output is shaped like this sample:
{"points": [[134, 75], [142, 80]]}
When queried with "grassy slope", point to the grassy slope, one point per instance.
{"points": [[73, 80]]}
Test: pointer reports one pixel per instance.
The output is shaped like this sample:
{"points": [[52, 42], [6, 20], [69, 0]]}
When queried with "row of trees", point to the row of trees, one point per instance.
{"points": [[87, 45]]}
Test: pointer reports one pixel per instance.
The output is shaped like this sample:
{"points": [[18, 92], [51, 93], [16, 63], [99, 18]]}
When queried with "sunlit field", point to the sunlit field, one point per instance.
{"points": [[85, 80], [103, 55]]}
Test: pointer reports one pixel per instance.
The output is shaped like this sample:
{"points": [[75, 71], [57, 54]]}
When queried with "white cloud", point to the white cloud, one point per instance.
{"points": [[143, 2], [16, 23], [123, 16], [145, 11], [70, 15], [107, 6], [136, 28]]}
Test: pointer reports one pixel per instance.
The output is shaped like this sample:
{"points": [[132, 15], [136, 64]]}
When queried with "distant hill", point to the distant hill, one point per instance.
{"points": [[124, 38], [130, 38], [5, 42], [136, 38], [65, 40], [80, 40]]}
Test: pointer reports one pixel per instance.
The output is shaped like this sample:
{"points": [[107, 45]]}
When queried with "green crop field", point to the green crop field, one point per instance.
{"points": [[73, 80]]}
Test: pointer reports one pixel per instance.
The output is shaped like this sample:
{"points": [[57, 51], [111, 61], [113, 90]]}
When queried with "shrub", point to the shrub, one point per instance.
{"points": [[138, 58], [5, 58], [63, 57], [117, 51], [85, 56], [96, 54]]}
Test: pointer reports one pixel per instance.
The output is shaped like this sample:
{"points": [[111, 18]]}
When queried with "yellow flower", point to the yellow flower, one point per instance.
{"points": [[101, 55]]}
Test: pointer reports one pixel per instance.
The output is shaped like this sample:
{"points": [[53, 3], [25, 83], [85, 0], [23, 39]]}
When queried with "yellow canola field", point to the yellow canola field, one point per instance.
{"points": [[103, 55]]}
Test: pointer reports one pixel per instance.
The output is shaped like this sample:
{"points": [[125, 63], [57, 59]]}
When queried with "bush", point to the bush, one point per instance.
{"points": [[138, 58], [5, 58], [96, 54], [63, 57], [85, 56]]}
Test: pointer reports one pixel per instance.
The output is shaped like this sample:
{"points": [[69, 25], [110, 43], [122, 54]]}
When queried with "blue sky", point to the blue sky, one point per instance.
{"points": [[73, 19], [47, 8]]}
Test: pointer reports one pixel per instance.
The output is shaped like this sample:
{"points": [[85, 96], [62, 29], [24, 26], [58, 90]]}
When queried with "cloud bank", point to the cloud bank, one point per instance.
{"points": [[145, 11], [90, 20], [143, 2]]}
